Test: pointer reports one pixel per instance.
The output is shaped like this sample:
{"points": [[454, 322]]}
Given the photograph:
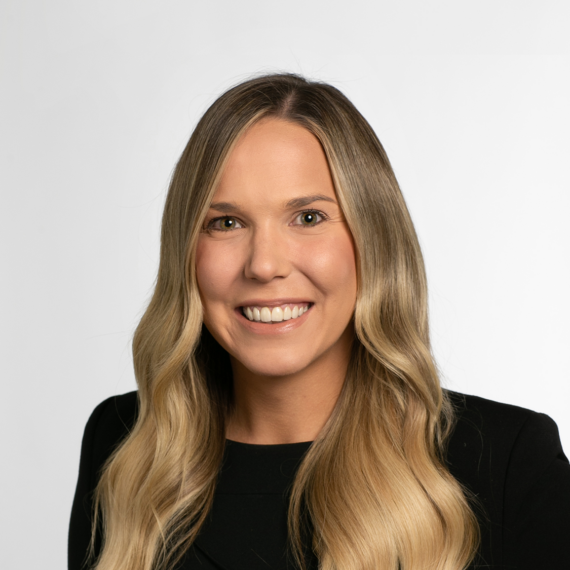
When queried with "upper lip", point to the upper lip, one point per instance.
{"points": [[272, 302]]}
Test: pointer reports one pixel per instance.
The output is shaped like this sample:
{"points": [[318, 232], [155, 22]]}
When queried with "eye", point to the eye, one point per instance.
{"points": [[310, 218], [223, 224]]}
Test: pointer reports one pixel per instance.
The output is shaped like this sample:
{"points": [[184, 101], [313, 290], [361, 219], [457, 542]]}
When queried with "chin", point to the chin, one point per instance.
{"points": [[275, 364]]}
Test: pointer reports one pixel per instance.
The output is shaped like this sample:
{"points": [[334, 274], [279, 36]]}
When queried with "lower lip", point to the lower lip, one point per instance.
{"points": [[259, 327]]}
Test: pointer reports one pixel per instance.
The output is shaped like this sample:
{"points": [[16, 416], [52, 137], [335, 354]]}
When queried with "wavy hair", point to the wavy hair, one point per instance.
{"points": [[373, 490]]}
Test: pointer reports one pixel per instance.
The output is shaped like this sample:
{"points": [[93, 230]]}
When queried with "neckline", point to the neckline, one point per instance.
{"points": [[267, 445]]}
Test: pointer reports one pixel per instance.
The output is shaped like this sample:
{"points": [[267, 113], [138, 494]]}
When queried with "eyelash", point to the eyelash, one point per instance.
{"points": [[324, 217]]}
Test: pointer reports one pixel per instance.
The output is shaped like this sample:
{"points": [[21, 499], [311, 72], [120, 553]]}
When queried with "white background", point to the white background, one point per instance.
{"points": [[470, 99]]}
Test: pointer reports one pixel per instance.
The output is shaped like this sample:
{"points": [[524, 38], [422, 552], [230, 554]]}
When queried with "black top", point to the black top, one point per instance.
{"points": [[510, 457]]}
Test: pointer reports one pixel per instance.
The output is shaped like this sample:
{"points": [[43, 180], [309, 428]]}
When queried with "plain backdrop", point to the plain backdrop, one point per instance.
{"points": [[470, 99]]}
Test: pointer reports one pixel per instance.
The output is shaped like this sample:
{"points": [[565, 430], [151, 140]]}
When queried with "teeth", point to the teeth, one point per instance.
{"points": [[275, 315], [265, 315]]}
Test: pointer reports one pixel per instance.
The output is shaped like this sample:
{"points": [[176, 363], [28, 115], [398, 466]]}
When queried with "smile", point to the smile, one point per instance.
{"points": [[277, 314]]}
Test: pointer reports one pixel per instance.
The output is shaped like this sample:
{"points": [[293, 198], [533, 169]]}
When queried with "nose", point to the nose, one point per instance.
{"points": [[267, 256]]}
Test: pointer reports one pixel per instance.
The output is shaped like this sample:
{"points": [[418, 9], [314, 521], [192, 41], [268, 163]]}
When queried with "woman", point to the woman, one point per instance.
{"points": [[289, 412]]}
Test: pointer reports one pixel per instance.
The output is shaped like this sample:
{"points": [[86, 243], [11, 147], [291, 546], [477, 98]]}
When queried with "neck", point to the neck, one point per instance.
{"points": [[270, 410]]}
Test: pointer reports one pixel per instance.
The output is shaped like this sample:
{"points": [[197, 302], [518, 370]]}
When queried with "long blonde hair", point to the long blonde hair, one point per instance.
{"points": [[373, 491]]}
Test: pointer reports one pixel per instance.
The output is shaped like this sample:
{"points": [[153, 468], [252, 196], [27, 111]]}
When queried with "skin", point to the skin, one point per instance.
{"points": [[254, 245]]}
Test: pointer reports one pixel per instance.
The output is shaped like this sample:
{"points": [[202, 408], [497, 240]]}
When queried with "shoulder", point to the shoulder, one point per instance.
{"points": [[110, 422], [493, 437], [117, 412], [505, 455], [485, 423], [481, 418]]}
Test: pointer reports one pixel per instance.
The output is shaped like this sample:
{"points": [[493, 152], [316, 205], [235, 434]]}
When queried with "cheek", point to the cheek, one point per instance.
{"points": [[215, 271], [331, 263]]}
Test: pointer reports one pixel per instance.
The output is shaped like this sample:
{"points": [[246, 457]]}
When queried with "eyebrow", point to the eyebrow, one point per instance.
{"points": [[306, 200], [228, 207]]}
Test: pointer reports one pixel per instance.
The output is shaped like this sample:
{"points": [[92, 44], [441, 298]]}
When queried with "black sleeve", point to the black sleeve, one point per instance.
{"points": [[537, 499], [82, 510]]}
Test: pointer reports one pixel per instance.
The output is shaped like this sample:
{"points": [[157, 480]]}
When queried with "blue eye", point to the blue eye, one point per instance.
{"points": [[224, 224]]}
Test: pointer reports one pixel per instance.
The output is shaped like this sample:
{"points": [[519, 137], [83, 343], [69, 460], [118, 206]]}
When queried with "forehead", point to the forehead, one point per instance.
{"points": [[273, 161]]}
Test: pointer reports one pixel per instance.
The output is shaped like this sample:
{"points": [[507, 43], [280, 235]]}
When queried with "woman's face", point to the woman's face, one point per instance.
{"points": [[276, 262]]}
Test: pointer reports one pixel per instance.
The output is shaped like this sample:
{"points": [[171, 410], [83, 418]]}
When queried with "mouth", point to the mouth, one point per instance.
{"points": [[274, 314]]}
